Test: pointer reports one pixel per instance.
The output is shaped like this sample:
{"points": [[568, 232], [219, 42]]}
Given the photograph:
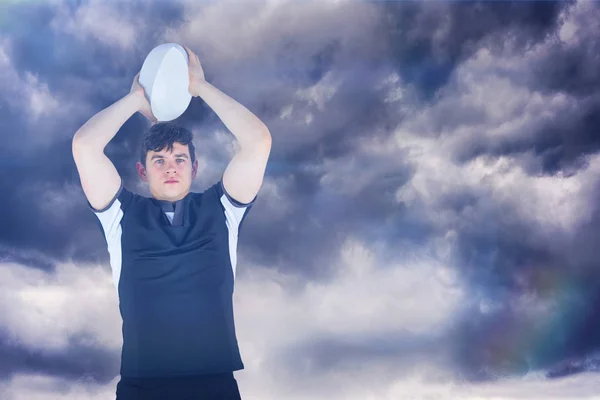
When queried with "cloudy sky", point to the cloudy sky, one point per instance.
{"points": [[428, 223]]}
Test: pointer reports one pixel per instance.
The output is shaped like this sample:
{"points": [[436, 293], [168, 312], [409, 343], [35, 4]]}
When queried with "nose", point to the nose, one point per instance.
{"points": [[171, 167]]}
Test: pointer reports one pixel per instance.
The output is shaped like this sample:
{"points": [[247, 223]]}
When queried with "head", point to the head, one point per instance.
{"points": [[168, 155]]}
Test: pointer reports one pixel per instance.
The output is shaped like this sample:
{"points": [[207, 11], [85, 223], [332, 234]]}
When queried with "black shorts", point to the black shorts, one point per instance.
{"points": [[193, 387]]}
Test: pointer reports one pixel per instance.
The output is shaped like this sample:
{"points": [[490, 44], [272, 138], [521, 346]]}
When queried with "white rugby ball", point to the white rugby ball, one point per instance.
{"points": [[165, 79]]}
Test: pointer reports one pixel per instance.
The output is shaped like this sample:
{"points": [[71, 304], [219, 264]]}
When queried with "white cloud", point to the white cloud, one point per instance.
{"points": [[579, 22], [362, 299], [111, 23], [275, 312], [41, 101], [262, 27], [358, 385], [28, 92], [362, 296], [320, 92], [42, 310]]}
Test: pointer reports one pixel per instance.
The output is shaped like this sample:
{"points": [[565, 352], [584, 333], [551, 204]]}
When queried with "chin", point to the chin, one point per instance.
{"points": [[173, 192]]}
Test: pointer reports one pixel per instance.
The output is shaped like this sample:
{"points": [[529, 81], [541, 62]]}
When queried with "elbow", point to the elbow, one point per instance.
{"points": [[82, 146], [266, 136], [78, 146], [78, 142], [81, 139], [265, 141], [260, 139]]}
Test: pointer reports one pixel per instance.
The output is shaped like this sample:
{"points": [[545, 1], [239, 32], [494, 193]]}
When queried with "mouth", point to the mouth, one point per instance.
{"points": [[171, 181]]}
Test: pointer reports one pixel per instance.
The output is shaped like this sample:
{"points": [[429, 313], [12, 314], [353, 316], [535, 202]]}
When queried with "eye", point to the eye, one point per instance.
{"points": [[159, 161], [180, 159]]}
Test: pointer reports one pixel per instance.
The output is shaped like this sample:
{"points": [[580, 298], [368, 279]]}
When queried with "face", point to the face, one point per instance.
{"points": [[169, 174]]}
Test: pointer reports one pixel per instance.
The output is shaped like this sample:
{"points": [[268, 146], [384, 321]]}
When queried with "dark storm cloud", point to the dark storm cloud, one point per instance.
{"points": [[362, 114], [59, 56], [29, 258], [357, 110], [501, 256], [502, 259], [427, 59], [80, 68], [29, 222], [73, 71], [498, 253], [349, 118], [73, 363], [563, 140]]}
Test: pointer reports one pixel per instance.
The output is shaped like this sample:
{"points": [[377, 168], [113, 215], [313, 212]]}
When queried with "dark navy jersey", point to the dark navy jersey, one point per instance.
{"points": [[173, 266]]}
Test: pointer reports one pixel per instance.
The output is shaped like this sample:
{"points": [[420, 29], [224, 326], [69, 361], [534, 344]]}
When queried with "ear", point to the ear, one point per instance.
{"points": [[141, 171], [194, 169]]}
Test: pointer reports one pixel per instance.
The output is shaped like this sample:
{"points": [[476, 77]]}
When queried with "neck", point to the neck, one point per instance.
{"points": [[171, 199]]}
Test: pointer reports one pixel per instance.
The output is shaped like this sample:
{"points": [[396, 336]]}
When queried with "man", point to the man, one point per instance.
{"points": [[173, 256]]}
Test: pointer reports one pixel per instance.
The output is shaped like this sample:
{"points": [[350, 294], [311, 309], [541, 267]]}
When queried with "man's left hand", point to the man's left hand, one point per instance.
{"points": [[195, 71]]}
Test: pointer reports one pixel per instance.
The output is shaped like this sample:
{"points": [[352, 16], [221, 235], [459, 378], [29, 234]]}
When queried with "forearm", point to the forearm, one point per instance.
{"points": [[99, 130], [243, 124]]}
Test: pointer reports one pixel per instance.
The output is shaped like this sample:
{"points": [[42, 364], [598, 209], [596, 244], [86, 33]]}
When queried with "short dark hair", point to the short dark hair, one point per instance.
{"points": [[164, 134]]}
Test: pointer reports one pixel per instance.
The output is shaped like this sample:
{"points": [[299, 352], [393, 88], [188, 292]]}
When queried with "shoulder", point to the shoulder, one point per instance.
{"points": [[229, 200], [122, 200], [217, 192]]}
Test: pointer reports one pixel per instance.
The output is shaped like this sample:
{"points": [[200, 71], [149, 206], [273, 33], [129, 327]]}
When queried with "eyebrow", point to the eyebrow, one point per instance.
{"points": [[183, 155]]}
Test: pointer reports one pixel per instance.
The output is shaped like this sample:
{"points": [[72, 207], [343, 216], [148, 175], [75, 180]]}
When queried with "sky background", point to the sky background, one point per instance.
{"points": [[427, 227]]}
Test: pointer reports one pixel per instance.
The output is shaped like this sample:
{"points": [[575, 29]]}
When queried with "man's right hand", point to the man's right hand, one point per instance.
{"points": [[138, 91]]}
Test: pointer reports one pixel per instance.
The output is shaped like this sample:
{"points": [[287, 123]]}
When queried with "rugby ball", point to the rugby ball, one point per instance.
{"points": [[165, 79]]}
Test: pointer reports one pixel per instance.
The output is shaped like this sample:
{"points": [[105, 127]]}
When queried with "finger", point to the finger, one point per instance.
{"points": [[189, 51], [193, 56]]}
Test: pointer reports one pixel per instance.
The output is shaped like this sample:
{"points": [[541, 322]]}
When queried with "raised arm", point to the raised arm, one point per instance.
{"points": [[243, 176], [99, 177]]}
